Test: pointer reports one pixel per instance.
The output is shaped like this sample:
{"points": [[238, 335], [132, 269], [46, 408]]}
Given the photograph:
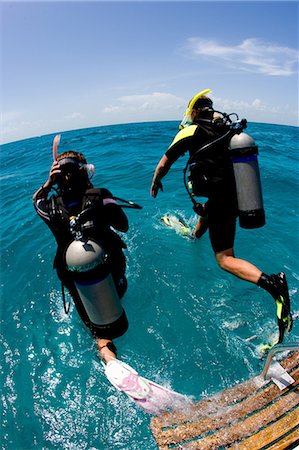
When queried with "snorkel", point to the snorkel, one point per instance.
{"points": [[219, 118], [56, 142], [187, 116], [90, 169]]}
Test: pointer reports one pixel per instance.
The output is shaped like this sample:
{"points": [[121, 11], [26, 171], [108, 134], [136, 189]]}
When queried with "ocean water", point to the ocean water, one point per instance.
{"points": [[189, 320]]}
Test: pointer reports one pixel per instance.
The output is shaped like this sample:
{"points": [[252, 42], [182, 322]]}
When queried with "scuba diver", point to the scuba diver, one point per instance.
{"points": [[211, 137], [91, 264], [89, 260]]}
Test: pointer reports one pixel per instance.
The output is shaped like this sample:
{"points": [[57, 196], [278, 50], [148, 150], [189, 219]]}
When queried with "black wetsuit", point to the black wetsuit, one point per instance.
{"points": [[211, 176], [102, 213]]}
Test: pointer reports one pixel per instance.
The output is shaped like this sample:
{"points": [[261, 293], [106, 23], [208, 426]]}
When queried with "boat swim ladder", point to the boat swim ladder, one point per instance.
{"points": [[277, 348]]}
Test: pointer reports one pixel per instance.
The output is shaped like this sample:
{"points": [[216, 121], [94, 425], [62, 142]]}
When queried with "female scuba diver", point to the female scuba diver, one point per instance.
{"points": [[91, 264], [89, 260]]}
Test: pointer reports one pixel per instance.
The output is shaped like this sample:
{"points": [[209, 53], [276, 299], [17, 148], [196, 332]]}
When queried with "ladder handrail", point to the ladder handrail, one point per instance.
{"points": [[277, 348]]}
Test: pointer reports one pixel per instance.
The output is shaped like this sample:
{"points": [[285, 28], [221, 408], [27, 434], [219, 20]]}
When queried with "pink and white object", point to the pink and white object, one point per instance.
{"points": [[126, 379], [56, 141], [150, 396]]}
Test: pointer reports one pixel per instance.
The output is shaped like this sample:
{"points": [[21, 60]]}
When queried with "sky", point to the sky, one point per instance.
{"points": [[74, 64]]}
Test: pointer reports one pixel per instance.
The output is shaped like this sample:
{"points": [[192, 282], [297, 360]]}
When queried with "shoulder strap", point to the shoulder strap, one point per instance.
{"points": [[58, 209]]}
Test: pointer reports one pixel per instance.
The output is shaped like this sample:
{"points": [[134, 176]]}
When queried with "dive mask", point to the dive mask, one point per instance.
{"points": [[72, 166]]}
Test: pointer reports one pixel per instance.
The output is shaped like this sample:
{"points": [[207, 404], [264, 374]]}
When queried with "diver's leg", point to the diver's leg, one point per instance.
{"points": [[202, 222], [276, 285], [238, 267], [201, 227], [222, 230]]}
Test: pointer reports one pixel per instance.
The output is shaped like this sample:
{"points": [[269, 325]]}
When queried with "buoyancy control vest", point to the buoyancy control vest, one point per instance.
{"points": [[212, 169], [93, 222]]}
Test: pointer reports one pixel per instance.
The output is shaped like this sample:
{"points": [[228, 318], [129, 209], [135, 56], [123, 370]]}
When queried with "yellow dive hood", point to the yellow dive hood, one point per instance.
{"points": [[187, 116]]}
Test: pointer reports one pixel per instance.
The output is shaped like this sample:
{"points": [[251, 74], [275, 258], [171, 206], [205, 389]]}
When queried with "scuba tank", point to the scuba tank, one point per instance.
{"points": [[244, 153], [89, 266]]}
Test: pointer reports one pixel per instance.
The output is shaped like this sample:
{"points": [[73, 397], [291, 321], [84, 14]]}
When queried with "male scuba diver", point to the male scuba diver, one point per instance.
{"points": [[208, 135], [89, 260]]}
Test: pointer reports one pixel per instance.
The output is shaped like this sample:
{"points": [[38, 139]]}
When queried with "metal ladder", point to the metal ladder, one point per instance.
{"points": [[277, 348]]}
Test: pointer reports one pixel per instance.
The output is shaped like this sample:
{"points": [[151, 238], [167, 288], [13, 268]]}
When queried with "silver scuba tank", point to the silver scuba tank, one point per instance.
{"points": [[87, 262], [244, 153]]}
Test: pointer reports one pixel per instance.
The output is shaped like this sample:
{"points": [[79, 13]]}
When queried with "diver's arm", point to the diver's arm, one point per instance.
{"points": [[176, 149], [114, 213], [161, 170], [42, 192]]}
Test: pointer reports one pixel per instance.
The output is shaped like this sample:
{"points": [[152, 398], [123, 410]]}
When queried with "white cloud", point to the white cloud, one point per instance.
{"points": [[8, 116], [256, 106], [75, 115], [17, 125], [11, 121], [157, 101], [236, 105], [251, 54]]}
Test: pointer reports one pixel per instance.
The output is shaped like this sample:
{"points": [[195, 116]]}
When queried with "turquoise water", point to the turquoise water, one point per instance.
{"points": [[189, 320]]}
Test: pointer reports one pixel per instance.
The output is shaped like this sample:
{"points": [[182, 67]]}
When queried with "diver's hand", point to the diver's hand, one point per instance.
{"points": [[43, 191], [54, 172], [156, 185]]}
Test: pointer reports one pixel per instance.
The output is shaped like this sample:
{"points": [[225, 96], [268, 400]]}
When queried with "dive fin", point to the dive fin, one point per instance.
{"points": [[175, 222], [150, 396]]}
